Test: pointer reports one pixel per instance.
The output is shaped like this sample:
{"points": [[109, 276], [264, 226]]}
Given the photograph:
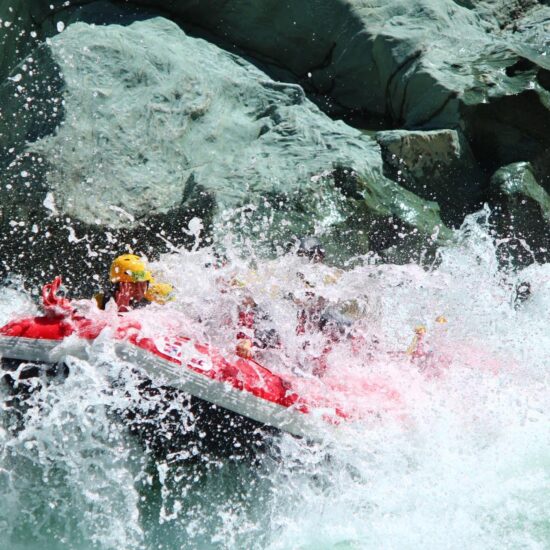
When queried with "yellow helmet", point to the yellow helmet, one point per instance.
{"points": [[160, 293], [129, 268]]}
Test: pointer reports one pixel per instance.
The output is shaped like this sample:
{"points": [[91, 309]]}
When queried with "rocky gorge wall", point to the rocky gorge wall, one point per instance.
{"points": [[379, 124]]}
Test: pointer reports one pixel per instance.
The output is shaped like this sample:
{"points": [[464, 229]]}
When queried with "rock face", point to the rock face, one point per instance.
{"points": [[481, 67], [416, 64], [477, 73], [150, 128]]}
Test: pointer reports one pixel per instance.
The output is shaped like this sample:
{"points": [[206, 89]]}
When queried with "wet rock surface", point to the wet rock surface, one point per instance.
{"points": [[191, 132], [522, 212], [437, 165], [466, 82]]}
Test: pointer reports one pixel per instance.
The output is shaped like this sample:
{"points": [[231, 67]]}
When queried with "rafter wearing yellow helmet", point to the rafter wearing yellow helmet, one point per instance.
{"points": [[133, 285]]}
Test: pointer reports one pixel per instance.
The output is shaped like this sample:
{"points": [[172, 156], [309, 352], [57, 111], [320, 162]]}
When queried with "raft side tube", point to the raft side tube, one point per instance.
{"points": [[163, 372]]}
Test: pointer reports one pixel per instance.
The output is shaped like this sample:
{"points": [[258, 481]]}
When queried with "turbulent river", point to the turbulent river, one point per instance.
{"points": [[463, 461]]}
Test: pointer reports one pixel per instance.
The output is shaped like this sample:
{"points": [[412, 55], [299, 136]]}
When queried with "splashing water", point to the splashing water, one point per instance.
{"points": [[462, 461]]}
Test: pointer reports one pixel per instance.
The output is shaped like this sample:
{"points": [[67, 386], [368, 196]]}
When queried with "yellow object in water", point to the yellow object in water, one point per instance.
{"points": [[237, 283], [160, 293], [129, 268]]}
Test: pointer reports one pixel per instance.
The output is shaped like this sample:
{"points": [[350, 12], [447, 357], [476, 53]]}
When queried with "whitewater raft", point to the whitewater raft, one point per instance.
{"points": [[241, 386], [235, 384]]}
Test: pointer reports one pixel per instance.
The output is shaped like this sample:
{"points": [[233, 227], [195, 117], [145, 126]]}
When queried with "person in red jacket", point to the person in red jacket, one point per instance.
{"points": [[132, 285], [251, 332]]}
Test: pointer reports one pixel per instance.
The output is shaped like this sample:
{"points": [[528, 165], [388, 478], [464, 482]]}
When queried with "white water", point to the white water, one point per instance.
{"points": [[463, 462]]}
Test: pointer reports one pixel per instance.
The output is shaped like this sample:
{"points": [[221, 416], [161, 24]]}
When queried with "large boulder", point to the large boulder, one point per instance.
{"points": [[417, 63], [479, 66], [149, 128]]}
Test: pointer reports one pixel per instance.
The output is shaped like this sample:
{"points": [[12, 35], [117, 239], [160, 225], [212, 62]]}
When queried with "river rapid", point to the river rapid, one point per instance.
{"points": [[462, 460]]}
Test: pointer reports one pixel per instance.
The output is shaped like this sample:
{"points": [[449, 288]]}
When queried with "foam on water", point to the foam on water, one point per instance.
{"points": [[461, 461]]}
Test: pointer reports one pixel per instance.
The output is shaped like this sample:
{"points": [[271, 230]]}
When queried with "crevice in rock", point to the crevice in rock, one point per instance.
{"points": [[34, 120], [522, 65], [543, 78], [510, 129], [347, 181], [327, 60], [389, 104], [403, 102]]}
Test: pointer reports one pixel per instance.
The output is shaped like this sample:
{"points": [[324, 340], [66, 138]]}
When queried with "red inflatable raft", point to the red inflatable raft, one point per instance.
{"points": [[242, 386]]}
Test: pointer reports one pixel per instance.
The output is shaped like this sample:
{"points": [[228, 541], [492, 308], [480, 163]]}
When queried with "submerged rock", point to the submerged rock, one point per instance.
{"points": [[158, 128]]}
